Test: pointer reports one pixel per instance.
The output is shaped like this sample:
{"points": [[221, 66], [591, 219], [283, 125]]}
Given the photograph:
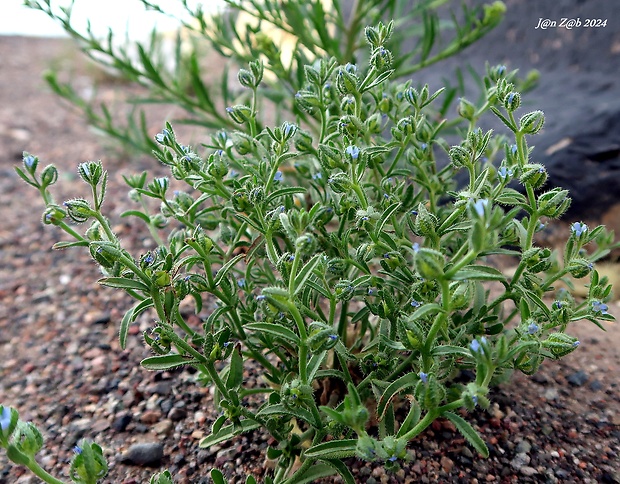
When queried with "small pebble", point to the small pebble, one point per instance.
{"points": [[146, 454]]}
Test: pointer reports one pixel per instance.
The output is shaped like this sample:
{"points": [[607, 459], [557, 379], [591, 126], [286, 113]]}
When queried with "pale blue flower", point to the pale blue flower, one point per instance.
{"points": [[279, 176], [480, 205], [5, 418], [532, 328], [599, 307], [415, 247], [77, 450], [578, 228], [504, 172], [424, 377], [416, 304], [353, 152], [501, 69], [29, 161]]}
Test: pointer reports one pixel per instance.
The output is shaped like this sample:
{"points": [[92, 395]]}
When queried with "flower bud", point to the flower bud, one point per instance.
{"points": [[349, 125], [256, 195], [348, 105], [406, 126], [553, 203], [512, 101], [305, 244], [217, 166], [78, 210], [30, 162], [241, 201], [429, 392], [239, 113], [337, 266], [425, 222], [381, 59], [321, 337], [579, 268], [159, 221], [339, 182], [429, 263], [366, 448], [466, 110], [560, 344], [307, 100], [372, 36], [49, 175], [534, 174], [347, 80], [53, 215], [295, 394], [330, 157], [90, 172], [246, 78], [165, 138], [459, 156], [532, 123], [374, 124], [105, 253], [303, 142]]}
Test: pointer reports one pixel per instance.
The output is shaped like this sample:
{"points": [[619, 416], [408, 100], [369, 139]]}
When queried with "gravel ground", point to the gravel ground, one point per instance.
{"points": [[62, 367]]}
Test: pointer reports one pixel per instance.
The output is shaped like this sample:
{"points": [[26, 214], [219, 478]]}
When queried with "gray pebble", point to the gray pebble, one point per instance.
{"points": [[520, 461], [146, 454], [577, 379], [523, 446], [528, 471]]}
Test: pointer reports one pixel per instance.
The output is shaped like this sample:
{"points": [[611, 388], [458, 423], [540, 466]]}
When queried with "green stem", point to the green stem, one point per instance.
{"points": [[42, 473]]}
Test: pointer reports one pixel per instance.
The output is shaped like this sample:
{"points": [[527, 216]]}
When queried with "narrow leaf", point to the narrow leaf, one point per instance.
{"points": [[166, 362], [306, 272], [468, 432], [123, 283], [406, 381], [335, 449], [235, 374], [275, 330], [227, 433]]}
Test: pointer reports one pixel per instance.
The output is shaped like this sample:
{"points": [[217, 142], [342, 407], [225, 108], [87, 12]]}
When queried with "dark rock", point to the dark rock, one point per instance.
{"points": [[177, 414], [577, 379], [121, 423], [596, 385], [146, 454]]}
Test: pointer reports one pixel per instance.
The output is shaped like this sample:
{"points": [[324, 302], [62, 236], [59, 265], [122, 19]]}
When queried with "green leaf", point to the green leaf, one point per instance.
{"points": [[299, 413], [426, 310], [342, 469], [129, 317], [385, 217], [306, 272], [539, 302], [66, 244], [124, 283], [283, 192], [137, 213], [406, 381], [504, 120], [450, 350], [317, 471], [218, 477], [235, 374], [227, 433], [166, 362], [335, 449], [413, 417], [315, 363], [226, 268], [275, 330], [479, 273], [468, 432]]}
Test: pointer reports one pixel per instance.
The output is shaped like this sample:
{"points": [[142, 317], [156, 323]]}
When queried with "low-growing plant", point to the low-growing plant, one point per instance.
{"points": [[344, 265]]}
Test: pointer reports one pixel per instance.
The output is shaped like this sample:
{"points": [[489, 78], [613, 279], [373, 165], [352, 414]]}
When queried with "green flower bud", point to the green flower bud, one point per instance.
{"points": [[246, 78], [560, 344], [372, 36], [90, 172], [512, 101], [240, 113], [227, 234], [337, 266], [284, 264], [366, 448], [459, 156], [344, 290], [306, 244], [257, 195], [553, 203], [49, 176], [78, 210], [465, 109], [406, 125], [307, 100], [321, 337], [161, 278], [349, 125], [364, 253], [381, 59], [429, 263], [303, 142], [346, 79], [257, 69], [534, 175], [30, 162], [295, 394], [330, 157], [385, 105], [414, 334], [312, 75], [425, 222], [339, 182], [391, 261], [429, 392], [159, 221], [217, 166], [94, 232], [53, 215], [579, 268], [348, 105], [241, 201], [105, 253], [532, 123], [243, 143]]}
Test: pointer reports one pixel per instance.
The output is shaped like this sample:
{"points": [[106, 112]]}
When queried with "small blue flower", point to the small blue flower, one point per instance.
{"points": [[475, 399], [532, 328], [279, 176], [333, 337], [513, 149], [416, 304], [371, 291], [291, 258], [328, 85], [260, 297], [501, 69], [350, 68], [232, 174], [511, 96], [353, 152], [423, 146], [241, 282], [230, 110], [476, 345], [415, 247], [162, 182], [5, 418], [576, 343], [226, 344], [187, 278], [393, 458], [424, 377], [504, 172], [163, 136], [599, 307], [317, 176], [558, 304], [77, 450], [29, 161], [480, 205], [578, 228]]}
